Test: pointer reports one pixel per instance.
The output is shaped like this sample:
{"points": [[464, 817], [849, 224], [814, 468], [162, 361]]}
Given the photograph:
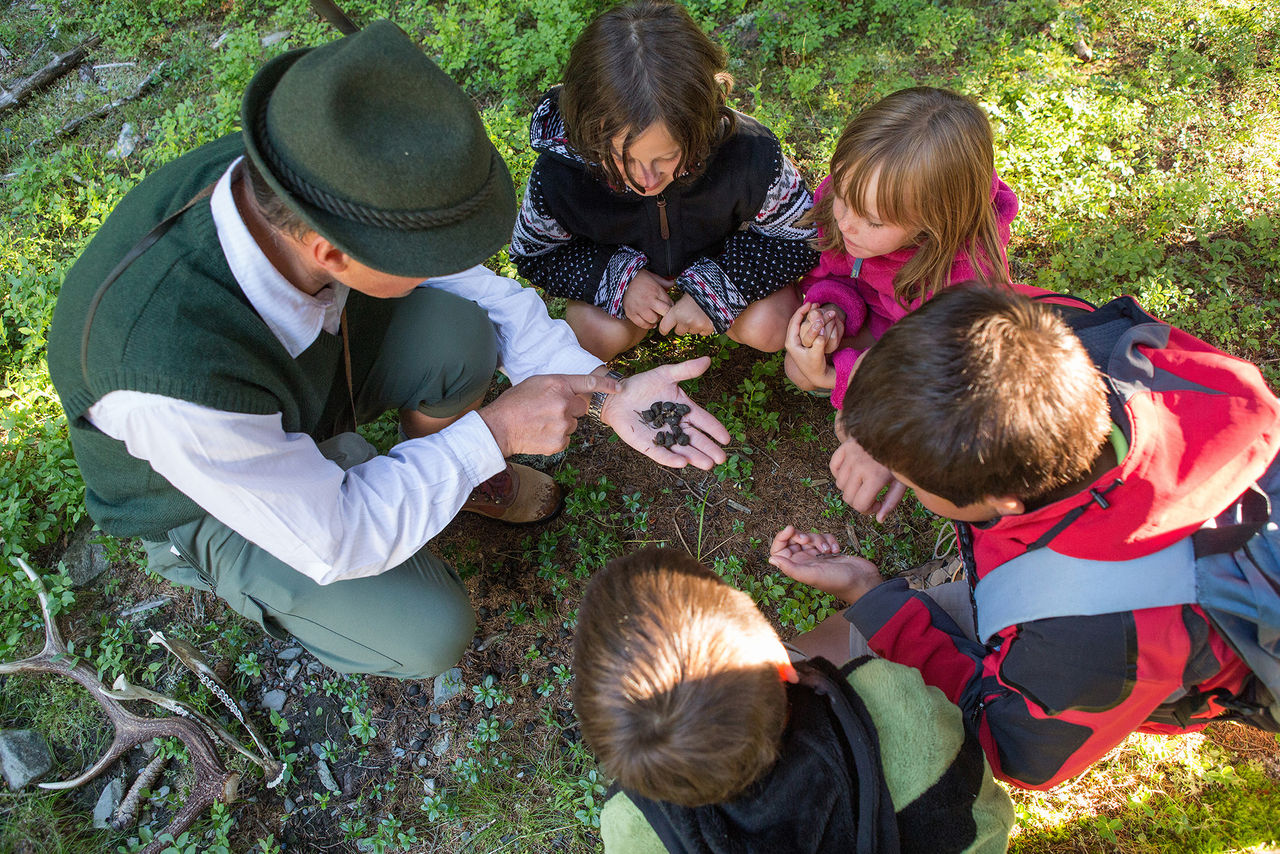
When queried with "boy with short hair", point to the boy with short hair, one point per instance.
{"points": [[718, 743], [993, 409]]}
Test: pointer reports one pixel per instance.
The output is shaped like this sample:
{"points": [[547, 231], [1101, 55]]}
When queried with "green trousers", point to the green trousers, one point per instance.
{"points": [[414, 620]]}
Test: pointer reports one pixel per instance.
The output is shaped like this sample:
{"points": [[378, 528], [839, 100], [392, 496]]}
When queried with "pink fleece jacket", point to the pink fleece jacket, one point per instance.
{"points": [[863, 287]]}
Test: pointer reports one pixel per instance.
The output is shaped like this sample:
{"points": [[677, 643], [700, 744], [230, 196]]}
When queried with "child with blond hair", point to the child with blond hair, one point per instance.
{"points": [[912, 205]]}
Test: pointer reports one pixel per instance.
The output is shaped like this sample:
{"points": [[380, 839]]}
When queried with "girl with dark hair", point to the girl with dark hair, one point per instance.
{"points": [[647, 183]]}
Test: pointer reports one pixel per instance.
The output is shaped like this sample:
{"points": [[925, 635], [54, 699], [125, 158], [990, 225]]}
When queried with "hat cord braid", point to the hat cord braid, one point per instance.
{"points": [[406, 220]]}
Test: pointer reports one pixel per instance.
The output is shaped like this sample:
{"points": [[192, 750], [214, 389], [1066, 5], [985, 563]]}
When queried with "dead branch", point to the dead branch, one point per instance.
{"points": [[60, 65], [127, 813], [70, 127]]}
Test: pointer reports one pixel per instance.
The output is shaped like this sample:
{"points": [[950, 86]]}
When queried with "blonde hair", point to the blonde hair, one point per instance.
{"points": [[674, 684], [933, 152]]}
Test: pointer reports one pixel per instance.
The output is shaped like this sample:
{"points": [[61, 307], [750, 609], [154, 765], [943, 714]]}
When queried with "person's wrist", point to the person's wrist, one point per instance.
{"points": [[497, 428], [859, 588], [600, 399]]}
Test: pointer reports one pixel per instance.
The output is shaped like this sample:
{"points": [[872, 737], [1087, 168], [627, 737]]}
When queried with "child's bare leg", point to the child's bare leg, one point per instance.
{"points": [[763, 325], [599, 333]]}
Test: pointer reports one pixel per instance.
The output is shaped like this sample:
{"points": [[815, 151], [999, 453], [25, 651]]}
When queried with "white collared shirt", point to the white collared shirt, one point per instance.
{"points": [[275, 488]]}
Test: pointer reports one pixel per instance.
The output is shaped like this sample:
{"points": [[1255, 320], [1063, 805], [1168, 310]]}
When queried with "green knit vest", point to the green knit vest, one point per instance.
{"points": [[177, 324]]}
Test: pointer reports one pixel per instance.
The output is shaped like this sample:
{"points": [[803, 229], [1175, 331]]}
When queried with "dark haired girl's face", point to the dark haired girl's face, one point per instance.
{"points": [[651, 161]]}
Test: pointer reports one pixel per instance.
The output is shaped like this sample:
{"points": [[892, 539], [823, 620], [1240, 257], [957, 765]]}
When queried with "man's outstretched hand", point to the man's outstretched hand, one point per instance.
{"points": [[622, 412], [815, 559]]}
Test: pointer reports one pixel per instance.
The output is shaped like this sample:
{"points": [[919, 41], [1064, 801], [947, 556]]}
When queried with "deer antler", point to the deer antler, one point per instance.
{"points": [[213, 782]]}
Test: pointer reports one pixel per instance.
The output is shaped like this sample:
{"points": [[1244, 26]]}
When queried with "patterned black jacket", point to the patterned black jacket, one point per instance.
{"points": [[731, 232]]}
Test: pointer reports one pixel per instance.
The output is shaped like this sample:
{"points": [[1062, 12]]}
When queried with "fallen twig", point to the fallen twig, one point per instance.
{"points": [[127, 813], [73, 125], [60, 65]]}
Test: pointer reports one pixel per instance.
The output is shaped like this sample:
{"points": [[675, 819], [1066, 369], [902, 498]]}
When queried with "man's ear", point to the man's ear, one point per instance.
{"points": [[326, 255]]}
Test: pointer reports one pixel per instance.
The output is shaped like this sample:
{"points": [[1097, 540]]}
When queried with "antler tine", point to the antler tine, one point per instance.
{"points": [[213, 782], [53, 644]]}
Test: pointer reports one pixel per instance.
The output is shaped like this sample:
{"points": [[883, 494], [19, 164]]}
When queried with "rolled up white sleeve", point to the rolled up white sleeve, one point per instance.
{"points": [[278, 491], [529, 340]]}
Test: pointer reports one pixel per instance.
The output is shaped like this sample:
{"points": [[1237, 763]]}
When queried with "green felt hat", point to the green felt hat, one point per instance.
{"points": [[381, 153]]}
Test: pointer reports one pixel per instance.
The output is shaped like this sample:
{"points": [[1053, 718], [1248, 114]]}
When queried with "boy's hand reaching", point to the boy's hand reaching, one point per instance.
{"points": [[860, 478], [815, 559], [645, 300], [806, 345]]}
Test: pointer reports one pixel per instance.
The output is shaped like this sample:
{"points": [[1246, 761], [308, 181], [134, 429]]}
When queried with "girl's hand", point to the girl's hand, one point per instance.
{"points": [[645, 300], [686, 317], [815, 559], [826, 323], [832, 326], [810, 359]]}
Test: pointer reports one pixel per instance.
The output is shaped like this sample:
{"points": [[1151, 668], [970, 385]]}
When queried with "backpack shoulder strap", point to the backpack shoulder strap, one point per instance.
{"points": [[1042, 583], [877, 819]]}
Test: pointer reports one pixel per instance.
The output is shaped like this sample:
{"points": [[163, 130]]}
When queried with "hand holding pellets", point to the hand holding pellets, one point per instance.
{"points": [[666, 413]]}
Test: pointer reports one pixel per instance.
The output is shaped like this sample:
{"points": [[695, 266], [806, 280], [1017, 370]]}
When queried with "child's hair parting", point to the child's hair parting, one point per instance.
{"points": [[980, 393], [676, 682], [934, 154], [638, 64]]}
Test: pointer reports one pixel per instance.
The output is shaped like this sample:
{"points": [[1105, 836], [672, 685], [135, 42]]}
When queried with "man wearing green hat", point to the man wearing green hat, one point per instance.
{"points": [[246, 305]]}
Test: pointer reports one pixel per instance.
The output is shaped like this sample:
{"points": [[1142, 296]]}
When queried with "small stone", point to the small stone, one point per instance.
{"points": [[163, 792], [24, 756], [107, 804], [293, 671], [413, 689], [149, 605], [420, 701], [326, 777], [274, 700], [447, 685], [415, 744], [430, 784], [464, 706], [434, 719], [423, 761], [441, 747], [289, 805], [290, 654], [398, 753], [314, 668], [126, 142], [85, 560]]}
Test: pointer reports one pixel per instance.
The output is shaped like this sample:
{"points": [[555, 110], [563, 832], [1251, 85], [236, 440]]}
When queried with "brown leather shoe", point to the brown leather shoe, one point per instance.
{"points": [[517, 495]]}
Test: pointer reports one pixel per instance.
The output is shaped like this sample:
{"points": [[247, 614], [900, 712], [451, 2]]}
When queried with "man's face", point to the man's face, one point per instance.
{"points": [[375, 283]]}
